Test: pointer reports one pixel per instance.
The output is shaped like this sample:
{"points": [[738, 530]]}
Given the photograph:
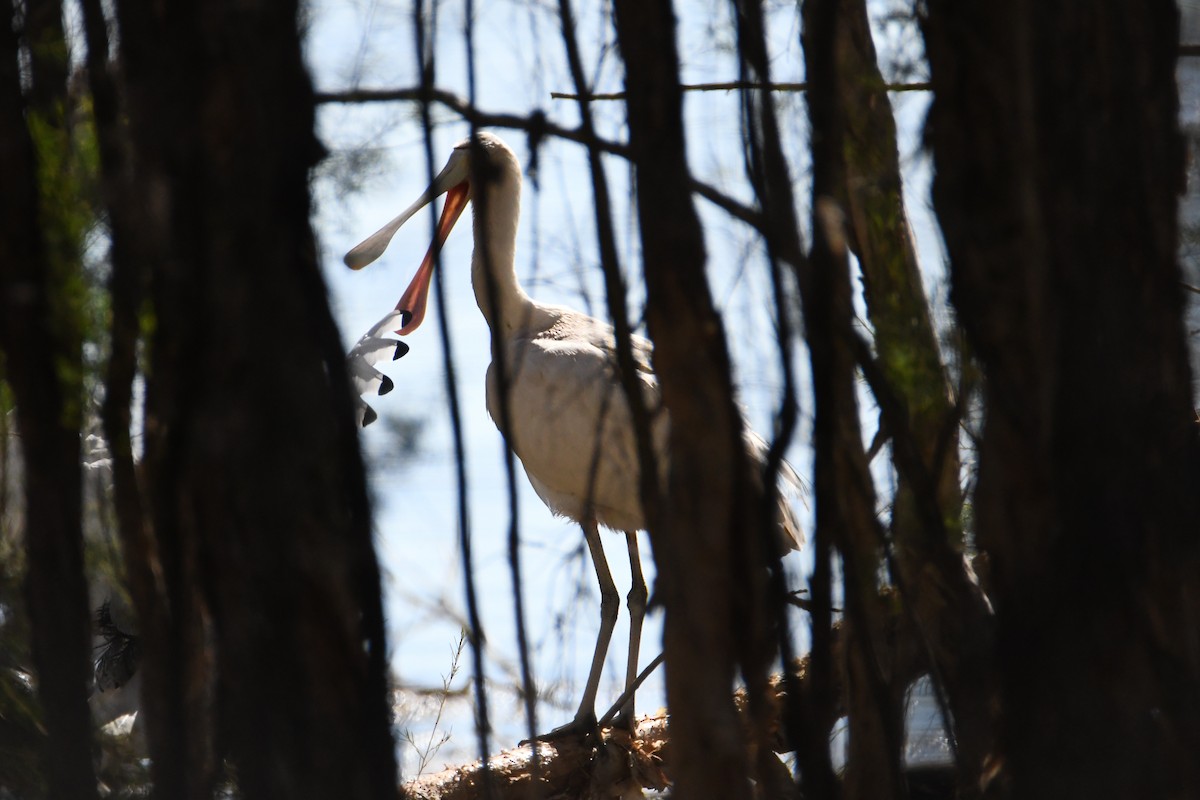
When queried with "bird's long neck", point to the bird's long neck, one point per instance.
{"points": [[495, 228]]}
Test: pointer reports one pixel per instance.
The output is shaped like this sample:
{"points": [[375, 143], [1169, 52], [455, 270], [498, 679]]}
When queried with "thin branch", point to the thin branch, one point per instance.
{"points": [[426, 55], [730, 86], [768, 174], [616, 707], [537, 126], [751, 216]]}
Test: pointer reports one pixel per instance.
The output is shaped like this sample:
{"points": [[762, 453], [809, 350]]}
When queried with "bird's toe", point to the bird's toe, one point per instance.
{"points": [[583, 726]]}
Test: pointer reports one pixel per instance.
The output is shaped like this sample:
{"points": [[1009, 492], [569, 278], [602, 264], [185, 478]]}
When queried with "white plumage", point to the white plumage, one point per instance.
{"points": [[569, 421]]}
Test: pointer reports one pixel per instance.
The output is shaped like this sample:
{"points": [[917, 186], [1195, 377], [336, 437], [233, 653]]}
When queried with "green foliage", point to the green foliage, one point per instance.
{"points": [[68, 168]]}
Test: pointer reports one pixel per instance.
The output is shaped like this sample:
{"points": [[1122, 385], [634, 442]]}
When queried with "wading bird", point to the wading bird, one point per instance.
{"points": [[567, 419]]}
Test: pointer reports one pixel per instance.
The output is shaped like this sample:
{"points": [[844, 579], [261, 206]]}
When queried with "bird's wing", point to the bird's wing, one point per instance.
{"points": [[791, 489], [573, 430], [791, 485], [570, 423], [586, 349]]}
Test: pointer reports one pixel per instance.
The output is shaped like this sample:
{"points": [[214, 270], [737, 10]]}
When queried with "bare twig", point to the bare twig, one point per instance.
{"points": [[731, 86], [629, 690], [536, 125], [426, 752]]}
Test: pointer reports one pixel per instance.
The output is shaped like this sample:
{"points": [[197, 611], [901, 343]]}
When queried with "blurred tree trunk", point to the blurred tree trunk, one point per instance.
{"points": [[40, 338], [810, 714], [132, 244], [1058, 156], [271, 649], [711, 573], [845, 495]]}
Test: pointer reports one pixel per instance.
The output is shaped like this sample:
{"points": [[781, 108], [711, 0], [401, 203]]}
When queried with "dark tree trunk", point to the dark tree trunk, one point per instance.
{"points": [[40, 339], [808, 723], [131, 246], [710, 514], [845, 495], [1054, 133], [257, 496]]}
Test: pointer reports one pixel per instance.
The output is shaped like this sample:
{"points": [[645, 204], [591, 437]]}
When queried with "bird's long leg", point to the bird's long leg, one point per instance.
{"points": [[609, 605], [637, 613], [610, 601]]}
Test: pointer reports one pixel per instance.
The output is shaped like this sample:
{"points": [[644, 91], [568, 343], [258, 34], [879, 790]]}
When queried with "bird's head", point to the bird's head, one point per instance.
{"points": [[454, 181]]}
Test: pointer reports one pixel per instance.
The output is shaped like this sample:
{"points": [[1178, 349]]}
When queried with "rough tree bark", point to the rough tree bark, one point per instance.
{"points": [[274, 652], [40, 339], [954, 621], [1054, 134]]}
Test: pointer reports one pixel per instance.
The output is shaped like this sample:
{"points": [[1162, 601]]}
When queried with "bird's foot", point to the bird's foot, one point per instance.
{"points": [[583, 726]]}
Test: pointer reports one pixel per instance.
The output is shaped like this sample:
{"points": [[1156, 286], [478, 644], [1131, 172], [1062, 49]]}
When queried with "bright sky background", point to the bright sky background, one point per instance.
{"points": [[519, 61]]}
